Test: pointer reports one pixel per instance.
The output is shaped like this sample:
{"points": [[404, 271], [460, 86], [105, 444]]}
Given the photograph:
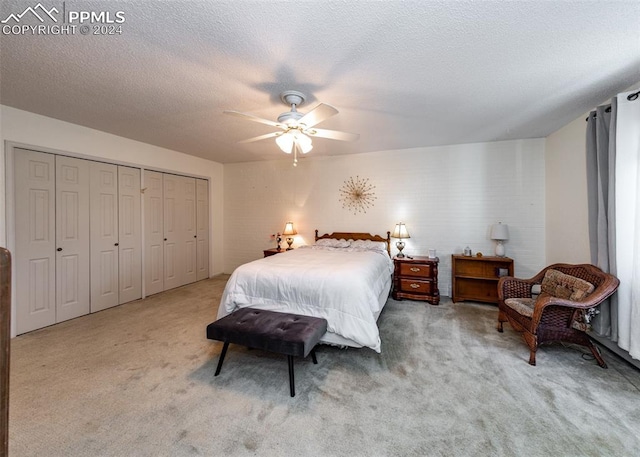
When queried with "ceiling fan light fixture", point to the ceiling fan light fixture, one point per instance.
{"points": [[297, 129], [285, 142], [305, 142]]}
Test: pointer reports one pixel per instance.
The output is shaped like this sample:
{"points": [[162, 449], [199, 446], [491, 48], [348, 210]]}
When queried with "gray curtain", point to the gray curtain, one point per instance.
{"points": [[601, 156]]}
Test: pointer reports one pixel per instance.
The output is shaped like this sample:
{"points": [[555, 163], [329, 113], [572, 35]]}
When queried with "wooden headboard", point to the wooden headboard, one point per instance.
{"points": [[358, 236]]}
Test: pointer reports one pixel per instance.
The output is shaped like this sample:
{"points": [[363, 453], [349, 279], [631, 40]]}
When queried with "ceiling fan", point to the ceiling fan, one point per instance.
{"points": [[296, 128]]}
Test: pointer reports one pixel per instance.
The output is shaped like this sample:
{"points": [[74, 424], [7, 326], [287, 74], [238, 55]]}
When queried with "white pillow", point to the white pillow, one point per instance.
{"points": [[333, 243], [370, 245], [342, 243]]}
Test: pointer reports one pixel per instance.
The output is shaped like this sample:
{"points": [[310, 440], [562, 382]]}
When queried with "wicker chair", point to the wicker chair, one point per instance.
{"points": [[549, 318]]}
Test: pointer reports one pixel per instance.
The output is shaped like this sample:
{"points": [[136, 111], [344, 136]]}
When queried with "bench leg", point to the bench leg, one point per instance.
{"points": [[292, 386], [222, 354], [313, 356]]}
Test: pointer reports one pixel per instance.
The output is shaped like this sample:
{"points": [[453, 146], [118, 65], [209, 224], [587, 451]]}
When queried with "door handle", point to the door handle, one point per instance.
{"points": [[195, 236], [165, 239], [116, 244], [59, 249]]}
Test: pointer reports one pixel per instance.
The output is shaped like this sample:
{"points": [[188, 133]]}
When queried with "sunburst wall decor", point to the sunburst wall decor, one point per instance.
{"points": [[357, 194]]}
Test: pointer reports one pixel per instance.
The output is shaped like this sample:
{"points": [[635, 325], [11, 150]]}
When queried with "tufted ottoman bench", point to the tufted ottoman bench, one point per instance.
{"points": [[283, 333]]}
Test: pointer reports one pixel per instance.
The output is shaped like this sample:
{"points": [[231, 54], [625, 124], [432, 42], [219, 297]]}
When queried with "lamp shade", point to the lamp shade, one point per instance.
{"points": [[288, 139], [289, 229], [285, 142], [500, 231], [400, 231], [304, 142]]}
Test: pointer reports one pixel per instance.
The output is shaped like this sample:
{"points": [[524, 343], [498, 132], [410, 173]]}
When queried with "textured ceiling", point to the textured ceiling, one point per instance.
{"points": [[403, 74]]}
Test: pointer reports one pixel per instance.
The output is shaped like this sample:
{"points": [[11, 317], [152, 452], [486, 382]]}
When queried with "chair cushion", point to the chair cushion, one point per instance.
{"points": [[565, 286], [523, 306]]}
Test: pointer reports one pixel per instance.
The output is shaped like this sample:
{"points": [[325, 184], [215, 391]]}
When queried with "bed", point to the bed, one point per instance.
{"points": [[345, 277]]}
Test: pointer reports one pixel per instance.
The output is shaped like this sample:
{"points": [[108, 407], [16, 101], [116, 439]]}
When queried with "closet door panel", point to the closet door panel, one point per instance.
{"points": [[174, 254], [104, 235], [35, 254], [130, 231], [154, 232], [202, 224], [189, 230], [172, 204], [72, 238]]}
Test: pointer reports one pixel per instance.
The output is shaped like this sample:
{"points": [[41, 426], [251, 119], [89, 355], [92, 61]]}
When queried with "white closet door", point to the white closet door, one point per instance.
{"points": [[72, 238], [104, 235], [130, 228], [154, 232], [202, 215], [173, 196], [189, 231], [35, 248]]}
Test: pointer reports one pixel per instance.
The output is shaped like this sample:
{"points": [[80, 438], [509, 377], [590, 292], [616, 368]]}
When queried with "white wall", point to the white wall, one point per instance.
{"points": [[448, 196], [567, 228], [43, 133]]}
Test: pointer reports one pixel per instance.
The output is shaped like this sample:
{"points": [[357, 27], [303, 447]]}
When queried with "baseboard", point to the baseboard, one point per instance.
{"points": [[613, 347]]}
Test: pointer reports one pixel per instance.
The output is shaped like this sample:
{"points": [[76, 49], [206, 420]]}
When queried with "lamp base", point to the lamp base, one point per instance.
{"points": [[500, 249], [400, 246], [289, 242]]}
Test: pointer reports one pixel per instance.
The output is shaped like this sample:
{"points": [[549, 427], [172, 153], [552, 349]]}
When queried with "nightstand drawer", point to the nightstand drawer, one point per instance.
{"points": [[416, 286], [416, 269]]}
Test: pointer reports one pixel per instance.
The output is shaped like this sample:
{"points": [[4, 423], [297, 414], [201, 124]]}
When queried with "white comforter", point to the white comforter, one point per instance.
{"points": [[342, 286]]}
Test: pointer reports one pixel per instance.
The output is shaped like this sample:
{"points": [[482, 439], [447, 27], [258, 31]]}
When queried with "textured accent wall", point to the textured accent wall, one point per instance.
{"points": [[448, 196]]}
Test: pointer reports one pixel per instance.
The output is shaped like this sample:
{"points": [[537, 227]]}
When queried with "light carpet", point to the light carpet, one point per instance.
{"points": [[137, 380]]}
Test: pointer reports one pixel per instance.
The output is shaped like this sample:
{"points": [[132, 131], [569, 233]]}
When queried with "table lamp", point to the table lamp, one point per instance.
{"points": [[400, 232], [500, 233], [289, 231]]}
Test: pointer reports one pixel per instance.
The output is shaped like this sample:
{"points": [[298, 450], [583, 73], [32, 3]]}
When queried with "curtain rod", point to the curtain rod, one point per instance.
{"points": [[630, 97], [608, 110]]}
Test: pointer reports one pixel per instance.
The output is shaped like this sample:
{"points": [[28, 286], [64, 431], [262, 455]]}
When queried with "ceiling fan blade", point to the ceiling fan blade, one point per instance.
{"points": [[318, 114], [332, 134], [251, 117], [261, 137]]}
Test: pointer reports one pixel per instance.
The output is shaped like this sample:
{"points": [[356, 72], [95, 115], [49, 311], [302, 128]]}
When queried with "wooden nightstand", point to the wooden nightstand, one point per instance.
{"points": [[416, 279], [273, 251]]}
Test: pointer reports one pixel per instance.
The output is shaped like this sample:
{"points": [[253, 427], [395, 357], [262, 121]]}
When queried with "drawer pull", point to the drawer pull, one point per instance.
{"points": [[415, 286], [415, 269]]}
